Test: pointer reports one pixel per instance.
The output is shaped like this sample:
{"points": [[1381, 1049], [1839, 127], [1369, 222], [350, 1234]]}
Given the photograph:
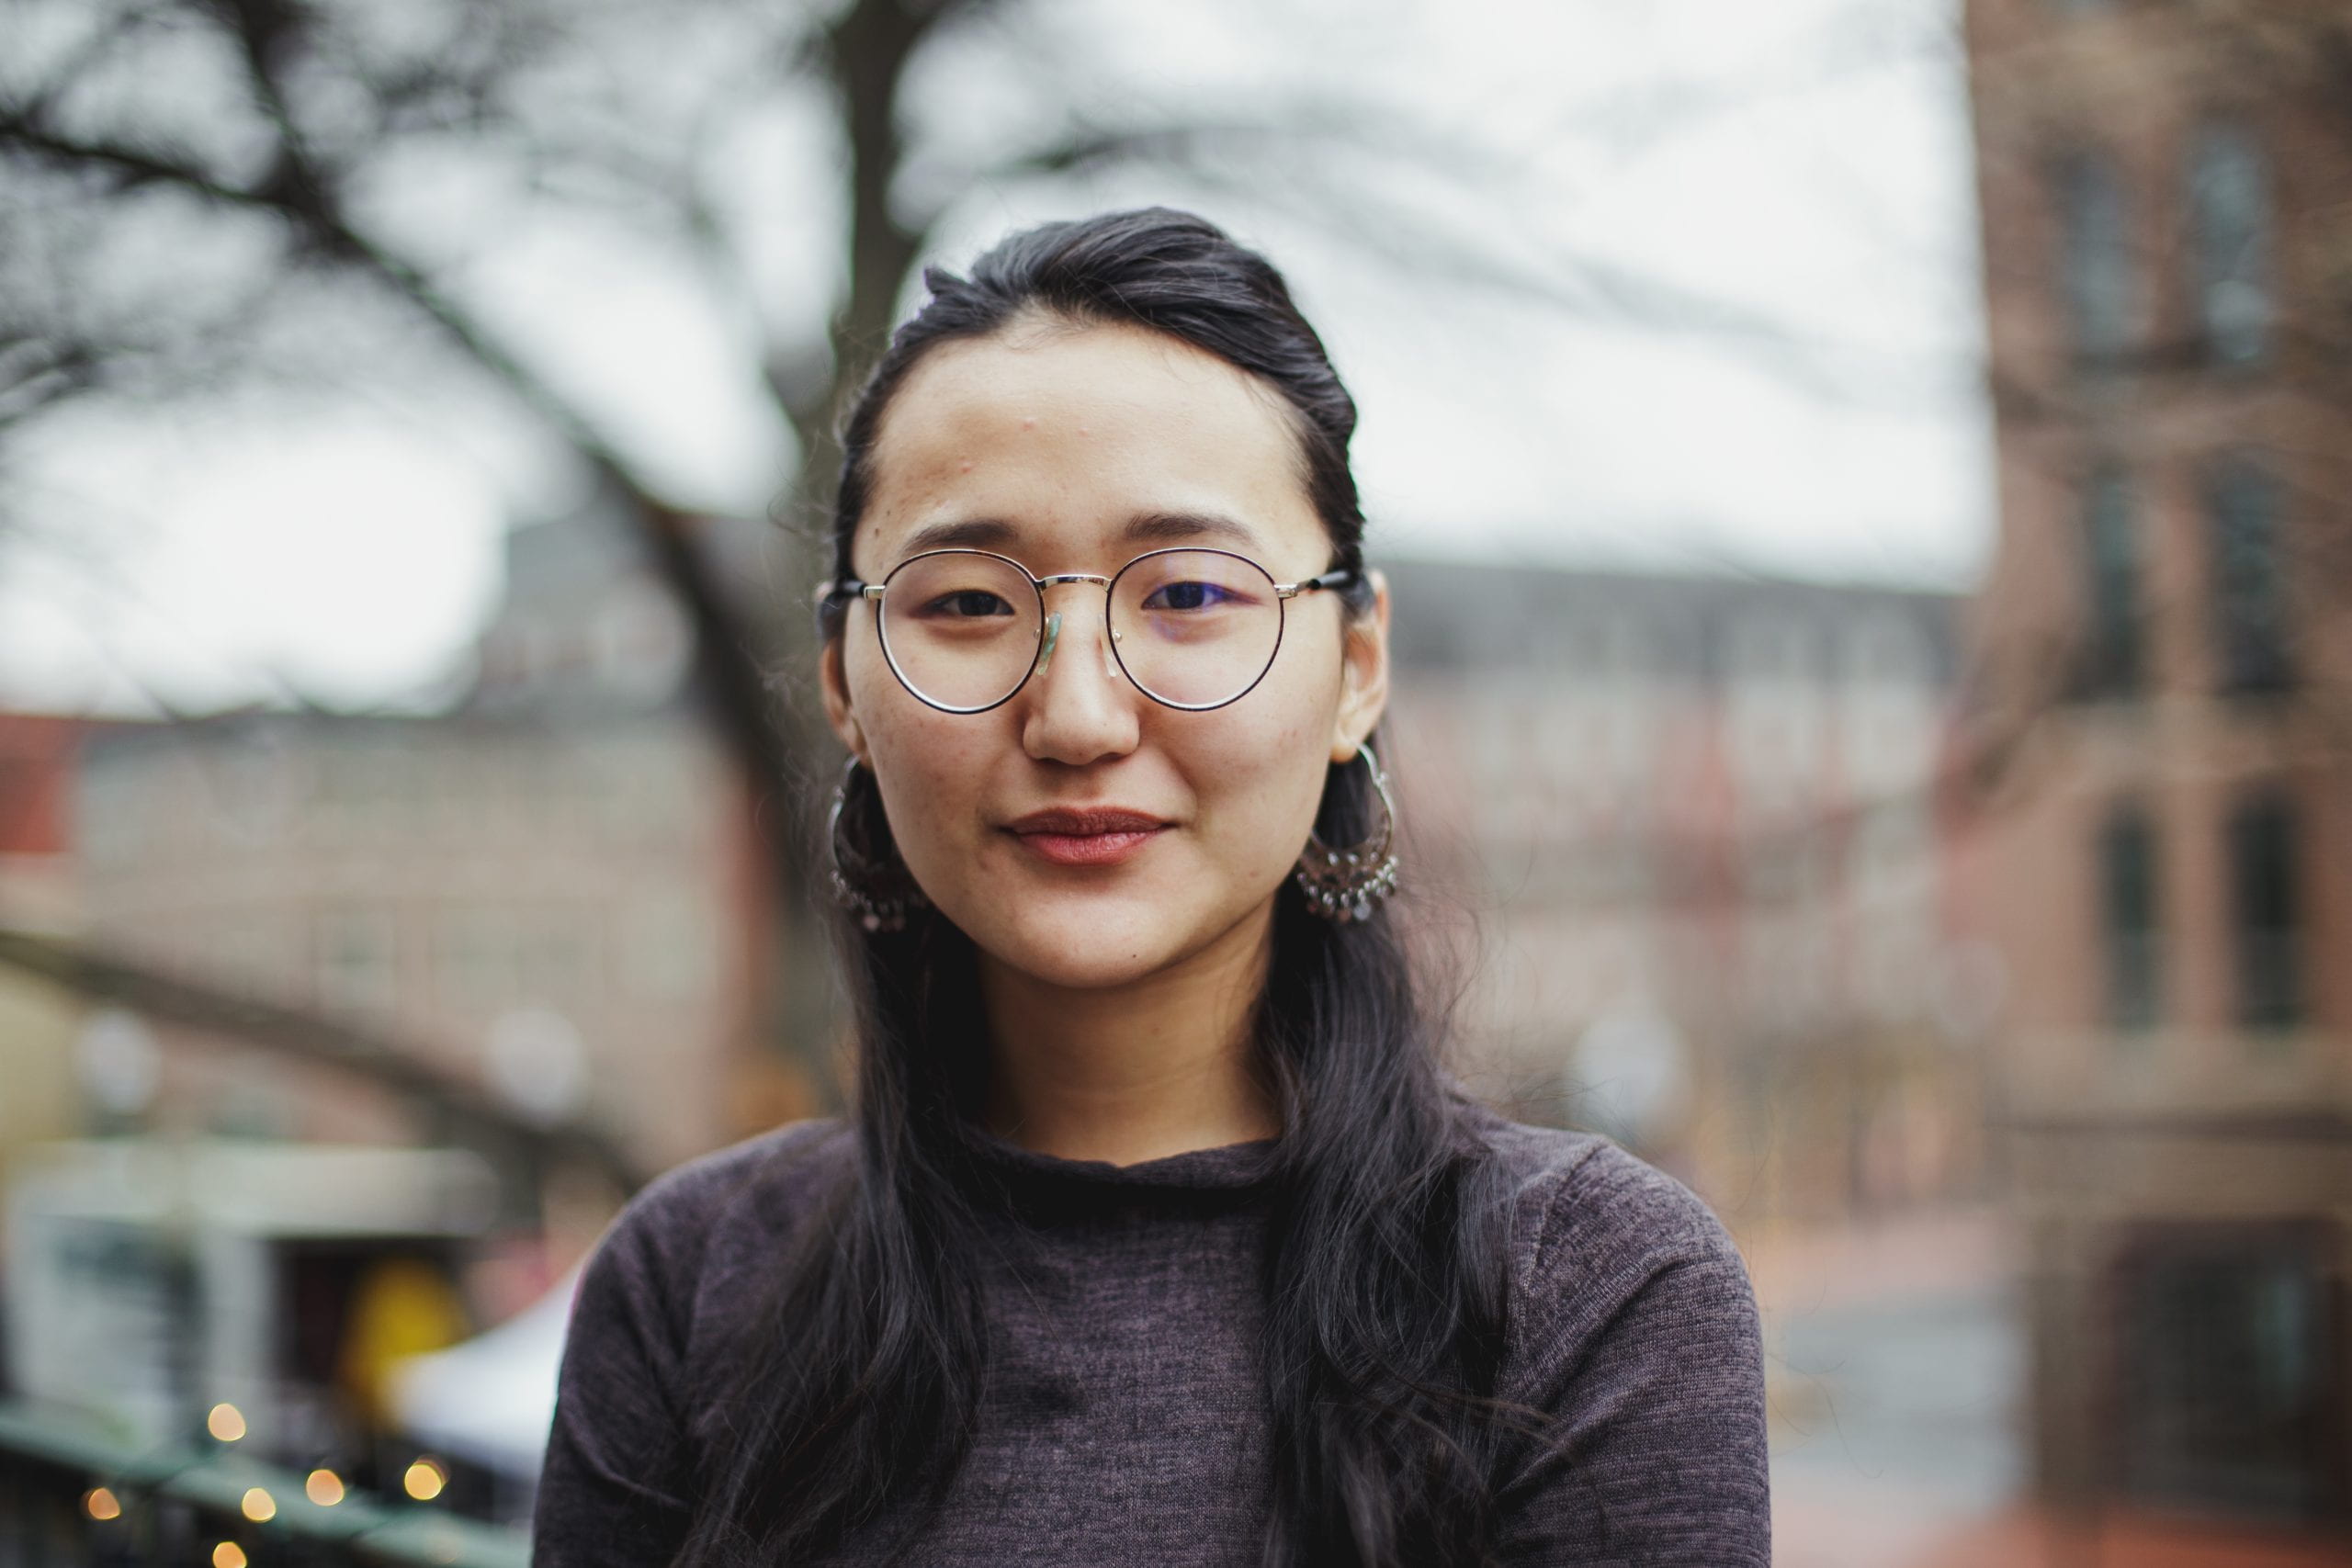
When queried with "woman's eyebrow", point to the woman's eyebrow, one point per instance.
{"points": [[970, 533], [1171, 527], [1144, 528]]}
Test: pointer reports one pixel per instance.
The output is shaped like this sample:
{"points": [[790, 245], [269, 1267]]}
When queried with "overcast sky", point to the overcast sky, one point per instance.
{"points": [[1798, 166]]}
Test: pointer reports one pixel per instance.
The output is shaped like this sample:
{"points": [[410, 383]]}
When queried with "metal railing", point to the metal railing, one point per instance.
{"points": [[72, 1493]]}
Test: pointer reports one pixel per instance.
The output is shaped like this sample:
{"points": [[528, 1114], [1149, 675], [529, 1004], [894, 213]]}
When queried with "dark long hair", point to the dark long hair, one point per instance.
{"points": [[1384, 1262]]}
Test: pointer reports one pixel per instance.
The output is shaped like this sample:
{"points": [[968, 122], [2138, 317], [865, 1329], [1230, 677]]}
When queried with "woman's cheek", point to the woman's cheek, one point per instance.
{"points": [[1259, 794], [931, 774], [939, 798]]}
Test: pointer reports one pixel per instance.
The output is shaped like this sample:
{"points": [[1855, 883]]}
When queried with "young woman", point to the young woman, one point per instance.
{"points": [[1157, 1235]]}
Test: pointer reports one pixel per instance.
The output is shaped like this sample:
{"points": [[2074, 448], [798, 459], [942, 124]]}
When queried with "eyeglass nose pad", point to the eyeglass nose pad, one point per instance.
{"points": [[1053, 636]]}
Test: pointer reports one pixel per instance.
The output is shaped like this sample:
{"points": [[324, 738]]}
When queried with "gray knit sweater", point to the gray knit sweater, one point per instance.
{"points": [[1122, 1420]]}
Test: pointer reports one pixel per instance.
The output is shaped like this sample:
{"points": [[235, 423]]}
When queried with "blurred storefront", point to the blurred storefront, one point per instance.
{"points": [[149, 1280], [2162, 739]]}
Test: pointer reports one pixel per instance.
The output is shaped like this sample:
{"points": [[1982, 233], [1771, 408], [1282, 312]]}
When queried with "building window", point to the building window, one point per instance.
{"points": [[356, 961], [2111, 545], [560, 963], [2265, 914], [2225, 1383], [1779, 718], [2250, 618], [473, 959], [2128, 913], [671, 949], [2096, 266], [2229, 205]]}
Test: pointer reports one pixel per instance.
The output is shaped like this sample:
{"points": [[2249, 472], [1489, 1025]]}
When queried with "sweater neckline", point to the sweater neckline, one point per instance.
{"points": [[1226, 1167]]}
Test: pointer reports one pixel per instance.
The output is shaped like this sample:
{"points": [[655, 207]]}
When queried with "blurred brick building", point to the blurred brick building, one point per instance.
{"points": [[38, 754], [1696, 821], [550, 892], [2162, 732]]}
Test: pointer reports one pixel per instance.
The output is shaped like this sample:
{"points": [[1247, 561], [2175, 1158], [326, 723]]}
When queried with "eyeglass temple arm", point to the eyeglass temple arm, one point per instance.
{"points": [[846, 588], [1337, 577]]}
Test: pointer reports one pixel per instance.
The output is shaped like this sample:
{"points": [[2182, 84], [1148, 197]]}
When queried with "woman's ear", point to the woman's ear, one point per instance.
{"points": [[1364, 674], [838, 713]]}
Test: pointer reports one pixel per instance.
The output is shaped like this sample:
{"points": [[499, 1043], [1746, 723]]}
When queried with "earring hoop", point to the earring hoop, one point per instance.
{"points": [[880, 893], [1350, 884]]}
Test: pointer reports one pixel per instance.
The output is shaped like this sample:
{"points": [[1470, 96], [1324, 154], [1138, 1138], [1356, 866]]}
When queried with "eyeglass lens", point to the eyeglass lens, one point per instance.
{"points": [[1193, 629]]}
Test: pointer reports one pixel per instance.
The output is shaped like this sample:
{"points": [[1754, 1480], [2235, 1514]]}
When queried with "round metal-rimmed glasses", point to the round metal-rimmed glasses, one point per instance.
{"points": [[1193, 629]]}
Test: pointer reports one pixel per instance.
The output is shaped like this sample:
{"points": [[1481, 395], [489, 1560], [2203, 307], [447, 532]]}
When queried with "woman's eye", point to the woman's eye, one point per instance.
{"points": [[1188, 596], [968, 603]]}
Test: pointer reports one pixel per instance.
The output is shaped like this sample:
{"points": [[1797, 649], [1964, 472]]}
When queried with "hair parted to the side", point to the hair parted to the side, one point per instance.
{"points": [[1386, 1256]]}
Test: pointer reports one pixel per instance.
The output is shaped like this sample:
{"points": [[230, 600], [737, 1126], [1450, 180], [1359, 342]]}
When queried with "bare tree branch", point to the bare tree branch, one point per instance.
{"points": [[335, 1043]]}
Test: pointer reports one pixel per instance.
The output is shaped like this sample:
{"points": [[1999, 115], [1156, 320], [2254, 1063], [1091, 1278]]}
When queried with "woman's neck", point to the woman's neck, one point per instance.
{"points": [[1136, 1072]]}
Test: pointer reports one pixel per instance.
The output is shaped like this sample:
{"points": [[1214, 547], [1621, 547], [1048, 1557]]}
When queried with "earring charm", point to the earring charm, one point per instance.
{"points": [[880, 892], [1350, 884]]}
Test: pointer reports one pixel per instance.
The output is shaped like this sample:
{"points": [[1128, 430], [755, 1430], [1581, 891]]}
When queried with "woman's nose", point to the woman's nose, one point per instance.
{"points": [[1080, 707]]}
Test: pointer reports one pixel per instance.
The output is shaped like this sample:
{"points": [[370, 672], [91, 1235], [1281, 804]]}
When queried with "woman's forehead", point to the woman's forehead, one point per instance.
{"points": [[1085, 440]]}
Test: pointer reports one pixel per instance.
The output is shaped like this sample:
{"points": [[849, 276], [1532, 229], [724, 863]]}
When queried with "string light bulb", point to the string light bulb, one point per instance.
{"points": [[225, 1421], [323, 1487], [423, 1481], [228, 1555], [259, 1506], [101, 1504]]}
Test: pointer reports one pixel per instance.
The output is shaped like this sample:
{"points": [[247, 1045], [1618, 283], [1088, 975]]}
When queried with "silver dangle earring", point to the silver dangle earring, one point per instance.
{"points": [[1349, 885], [876, 888]]}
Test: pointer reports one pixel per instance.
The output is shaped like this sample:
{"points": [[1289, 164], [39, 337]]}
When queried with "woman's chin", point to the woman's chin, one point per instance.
{"points": [[1093, 943]]}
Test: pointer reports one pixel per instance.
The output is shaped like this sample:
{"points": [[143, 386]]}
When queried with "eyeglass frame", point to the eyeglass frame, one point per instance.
{"points": [[849, 587]]}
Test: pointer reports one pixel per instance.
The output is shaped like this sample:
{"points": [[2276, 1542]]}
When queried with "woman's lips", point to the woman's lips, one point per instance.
{"points": [[1096, 837]]}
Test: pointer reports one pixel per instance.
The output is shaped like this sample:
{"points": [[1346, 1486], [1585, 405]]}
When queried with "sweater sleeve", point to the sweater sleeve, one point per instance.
{"points": [[1636, 1340], [618, 1480]]}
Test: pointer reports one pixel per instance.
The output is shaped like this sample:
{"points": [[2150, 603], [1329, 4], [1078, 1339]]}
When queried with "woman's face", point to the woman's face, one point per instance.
{"points": [[1074, 449]]}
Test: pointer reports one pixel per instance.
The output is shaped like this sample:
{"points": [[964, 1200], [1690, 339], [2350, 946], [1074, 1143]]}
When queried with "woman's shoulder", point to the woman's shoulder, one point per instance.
{"points": [[739, 1200], [1581, 1205], [796, 1154], [1631, 1327]]}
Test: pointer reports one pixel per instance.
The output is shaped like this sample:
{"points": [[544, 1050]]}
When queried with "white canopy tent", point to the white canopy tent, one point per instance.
{"points": [[489, 1401]]}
